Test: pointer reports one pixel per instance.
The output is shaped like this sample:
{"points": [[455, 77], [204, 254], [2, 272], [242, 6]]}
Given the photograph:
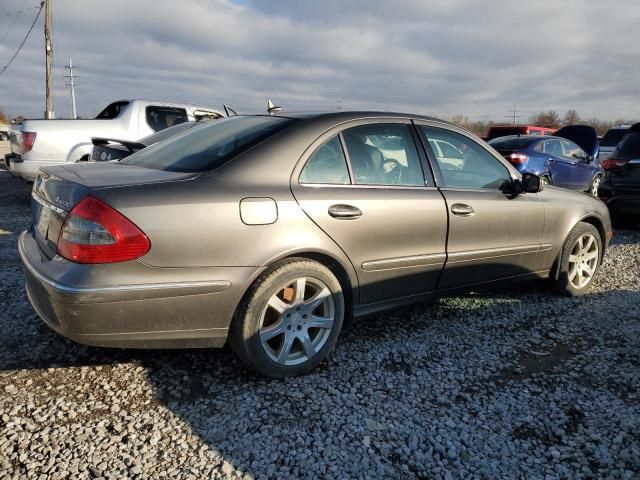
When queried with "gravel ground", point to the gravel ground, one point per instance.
{"points": [[515, 383]]}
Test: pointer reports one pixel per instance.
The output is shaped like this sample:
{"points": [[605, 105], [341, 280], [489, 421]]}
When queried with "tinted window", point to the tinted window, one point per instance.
{"points": [[326, 165], [630, 144], [383, 154], [612, 137], [160, 118], [478, 168], [168, 133], [112, 111], [510, 143], [208, 147]]}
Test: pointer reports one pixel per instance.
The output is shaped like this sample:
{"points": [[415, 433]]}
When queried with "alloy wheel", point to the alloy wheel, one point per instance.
{"points": [[583, 261], [297, 321]]}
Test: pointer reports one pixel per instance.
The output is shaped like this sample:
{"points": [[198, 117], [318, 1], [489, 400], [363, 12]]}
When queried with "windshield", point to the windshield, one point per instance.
{"points": [[510, 143], [208, 147], [612, 137]]}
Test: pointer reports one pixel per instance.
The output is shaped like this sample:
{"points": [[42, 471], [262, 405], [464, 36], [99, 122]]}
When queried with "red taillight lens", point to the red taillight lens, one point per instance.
{"points": [[613, 163], [518, 158], [93, 232], [28, 139]]}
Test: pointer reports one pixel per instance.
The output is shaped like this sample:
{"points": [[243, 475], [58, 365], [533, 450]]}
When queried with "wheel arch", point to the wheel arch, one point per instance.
{"points": [[592, 220]]}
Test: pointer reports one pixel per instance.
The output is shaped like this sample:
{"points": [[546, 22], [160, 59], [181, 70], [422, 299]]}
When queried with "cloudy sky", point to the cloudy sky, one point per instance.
{"points": [[438, 57]]}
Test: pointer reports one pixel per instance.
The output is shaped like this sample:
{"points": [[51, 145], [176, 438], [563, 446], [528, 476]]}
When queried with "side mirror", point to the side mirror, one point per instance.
{"points": [[531, 183]]}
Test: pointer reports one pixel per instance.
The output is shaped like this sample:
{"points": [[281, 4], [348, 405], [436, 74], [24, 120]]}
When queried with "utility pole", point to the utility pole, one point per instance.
{"points": [[514, 113], [71, 84], [48, 50]]}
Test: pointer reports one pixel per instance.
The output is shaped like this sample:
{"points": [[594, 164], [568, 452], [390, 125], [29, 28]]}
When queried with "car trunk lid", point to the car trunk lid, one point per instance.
{"points": [[58, 189]]}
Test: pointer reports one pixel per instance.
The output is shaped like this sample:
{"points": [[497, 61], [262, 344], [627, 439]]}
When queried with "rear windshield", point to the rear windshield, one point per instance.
{"points": [[510, 143], [208, 147], [612, 137], [630, 144], [168, 132]]}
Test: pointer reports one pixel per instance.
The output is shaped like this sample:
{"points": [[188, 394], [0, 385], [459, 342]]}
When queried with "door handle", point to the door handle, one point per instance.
{"points": [[462, 209], [551, 160], [344, 212]]}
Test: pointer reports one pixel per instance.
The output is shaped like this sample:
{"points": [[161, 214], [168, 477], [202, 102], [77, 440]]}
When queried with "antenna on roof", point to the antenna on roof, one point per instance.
{"points": [[229, 111], [271, 108]]}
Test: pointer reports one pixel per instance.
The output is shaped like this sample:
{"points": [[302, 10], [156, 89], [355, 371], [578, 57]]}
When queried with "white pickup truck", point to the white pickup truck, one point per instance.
{"points": [[40, 143]]}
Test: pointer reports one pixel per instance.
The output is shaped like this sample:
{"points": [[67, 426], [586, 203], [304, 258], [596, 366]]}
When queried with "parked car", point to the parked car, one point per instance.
{"points": [[505, 130], [566, 159], [40, 143], [268, 230], [610, 140], [107, 149], [620, 188]]}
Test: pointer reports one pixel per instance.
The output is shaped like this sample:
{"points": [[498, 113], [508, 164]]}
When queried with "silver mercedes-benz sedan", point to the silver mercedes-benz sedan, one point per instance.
{"points": [[267, 231]]}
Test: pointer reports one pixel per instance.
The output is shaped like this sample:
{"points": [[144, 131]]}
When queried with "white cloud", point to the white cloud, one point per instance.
{"points": [[439, 57]]}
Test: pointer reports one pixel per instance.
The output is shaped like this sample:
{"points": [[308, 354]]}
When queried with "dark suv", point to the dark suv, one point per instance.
{"points": [[620, 188]]}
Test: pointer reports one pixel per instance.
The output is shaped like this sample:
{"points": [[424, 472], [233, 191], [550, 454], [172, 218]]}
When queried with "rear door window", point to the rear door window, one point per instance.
{"points": [[159, 118], [383, 154], [553, 147]]}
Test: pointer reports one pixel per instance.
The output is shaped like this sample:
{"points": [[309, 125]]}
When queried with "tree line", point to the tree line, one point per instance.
{"points": [[549, 119]]}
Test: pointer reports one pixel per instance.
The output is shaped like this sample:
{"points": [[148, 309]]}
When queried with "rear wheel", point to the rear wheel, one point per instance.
{"points": [[290, 319], [595, 185], [580, 260]]}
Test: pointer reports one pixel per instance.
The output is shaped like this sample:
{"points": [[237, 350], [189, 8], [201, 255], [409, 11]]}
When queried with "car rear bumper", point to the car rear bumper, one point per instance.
{"points": [[174, 312]]}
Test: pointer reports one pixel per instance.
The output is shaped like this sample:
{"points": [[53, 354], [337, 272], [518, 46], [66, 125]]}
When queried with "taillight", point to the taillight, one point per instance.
{"points": [[613, 163], [93, 232], [518, 158], [28, 139]]}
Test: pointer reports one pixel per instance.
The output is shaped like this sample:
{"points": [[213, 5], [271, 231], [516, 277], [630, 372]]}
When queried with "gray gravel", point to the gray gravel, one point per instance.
{"points": [[515, 383]]}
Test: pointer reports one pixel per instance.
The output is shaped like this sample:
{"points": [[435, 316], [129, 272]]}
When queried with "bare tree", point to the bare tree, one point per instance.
{"points": [[571, 118], [549, 119], [4, 119]]}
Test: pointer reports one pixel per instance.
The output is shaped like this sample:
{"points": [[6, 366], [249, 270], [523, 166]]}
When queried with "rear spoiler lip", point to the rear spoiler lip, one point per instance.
{"points": [[131, 146]]}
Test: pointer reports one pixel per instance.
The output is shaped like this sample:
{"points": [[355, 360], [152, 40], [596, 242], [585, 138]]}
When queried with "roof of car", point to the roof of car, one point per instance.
{"points": [[351, 115]]}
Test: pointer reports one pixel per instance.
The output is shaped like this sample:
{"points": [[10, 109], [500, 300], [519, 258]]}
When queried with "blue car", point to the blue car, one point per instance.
{"points": [[565, 159]]}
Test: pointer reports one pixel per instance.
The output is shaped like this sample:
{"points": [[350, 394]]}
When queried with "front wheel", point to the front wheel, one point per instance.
{"points": [[290, 319], [580, 260], [595, 185]]}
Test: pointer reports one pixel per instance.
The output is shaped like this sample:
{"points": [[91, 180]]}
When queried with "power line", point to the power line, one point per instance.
{"points": [[23, 41]]}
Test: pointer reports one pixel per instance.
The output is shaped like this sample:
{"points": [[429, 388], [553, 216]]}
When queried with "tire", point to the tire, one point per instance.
{"points": [[272, 321], [580, 261], [595, 185]]}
